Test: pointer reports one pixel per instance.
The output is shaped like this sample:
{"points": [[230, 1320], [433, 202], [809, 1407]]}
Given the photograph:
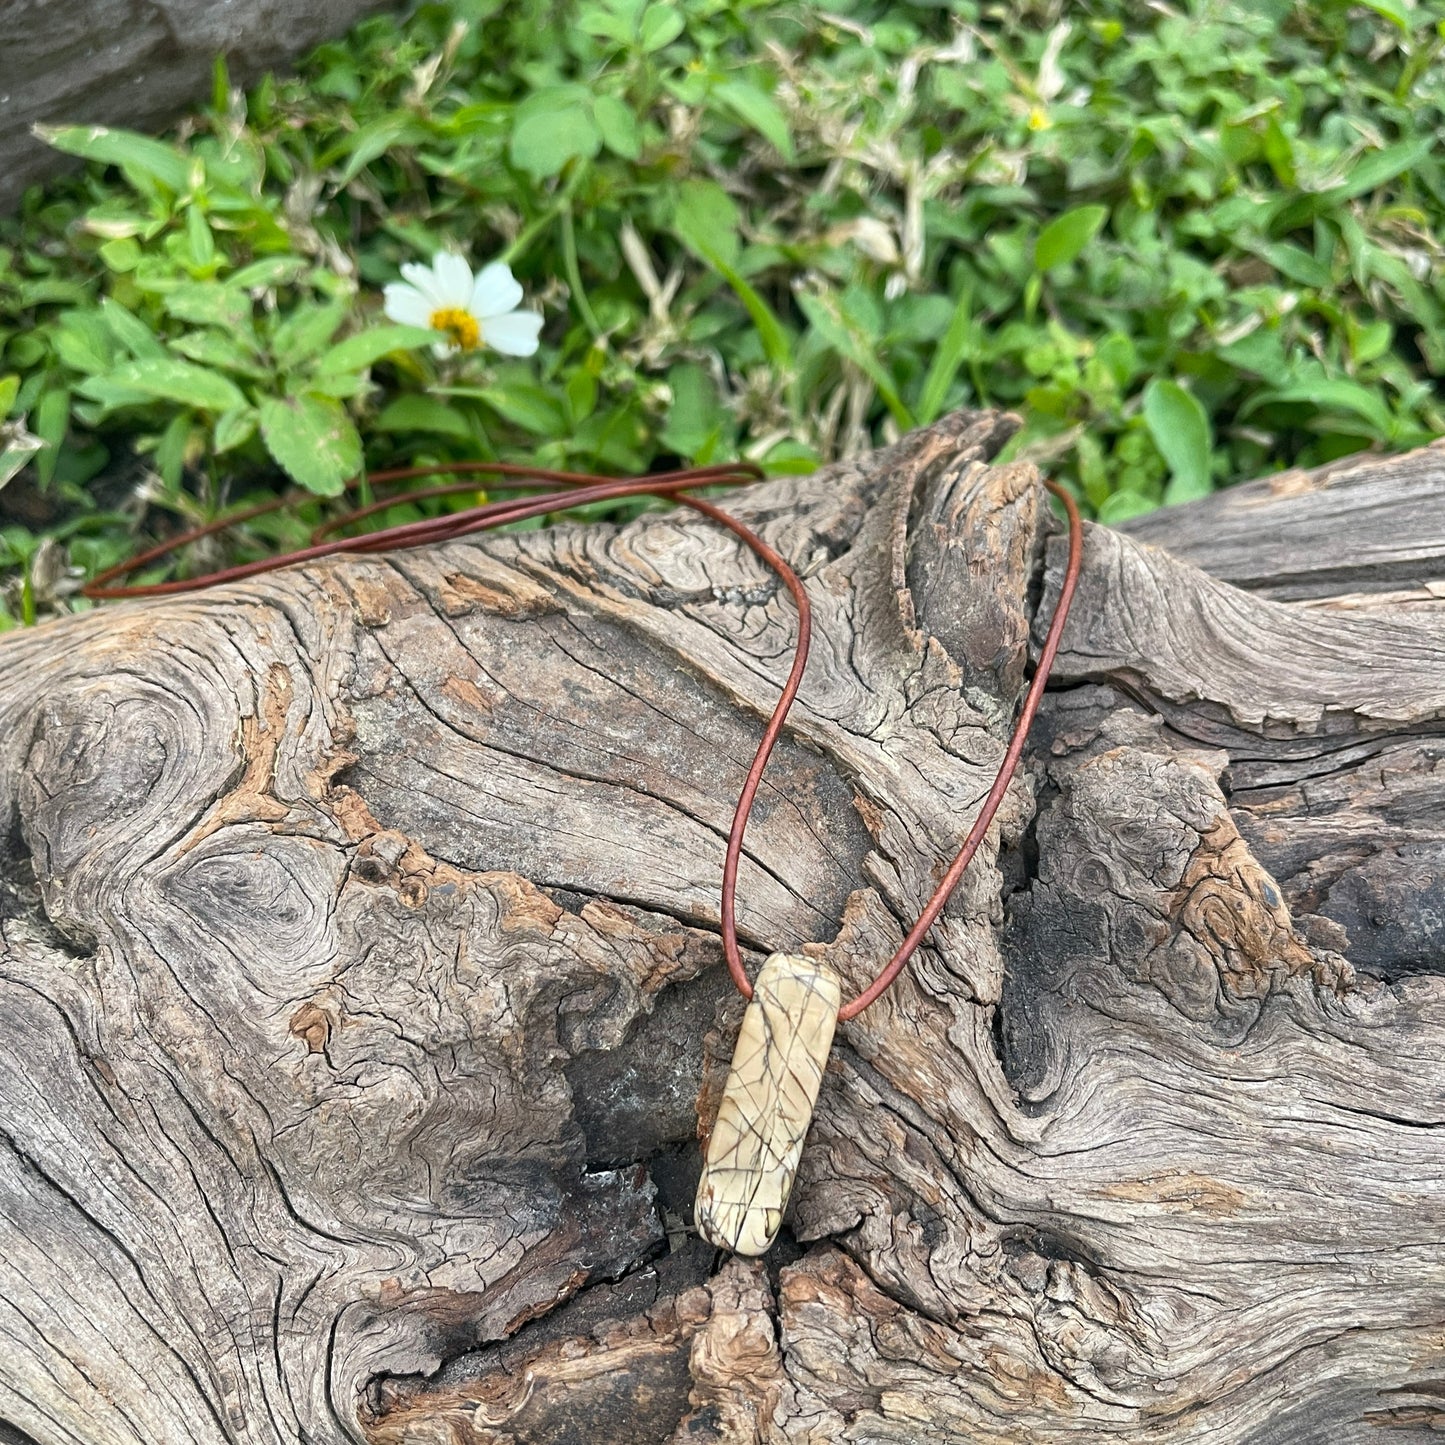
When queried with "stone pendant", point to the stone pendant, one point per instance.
{"points": [[767, 1104]]}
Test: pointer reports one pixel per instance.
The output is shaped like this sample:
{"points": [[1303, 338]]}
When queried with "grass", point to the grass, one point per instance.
{"points": [[1191, 243]]}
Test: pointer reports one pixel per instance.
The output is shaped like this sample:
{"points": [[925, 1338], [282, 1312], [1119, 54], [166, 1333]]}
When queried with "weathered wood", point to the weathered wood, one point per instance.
{"points": [[363, 997], [135, 62], [1367, 524]]}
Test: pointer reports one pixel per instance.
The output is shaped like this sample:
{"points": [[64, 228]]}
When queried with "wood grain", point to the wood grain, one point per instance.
{"points": [[1366, 526], [136, 63], [363, 995]]}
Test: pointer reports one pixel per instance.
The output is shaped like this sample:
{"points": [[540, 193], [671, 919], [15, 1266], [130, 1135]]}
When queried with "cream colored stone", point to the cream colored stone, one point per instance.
{"points": [[767, 1104]]}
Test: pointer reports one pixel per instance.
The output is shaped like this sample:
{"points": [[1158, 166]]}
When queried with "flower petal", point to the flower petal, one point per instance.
{"points": [[514, 334], [424, 279], [406, 305], [496, 291], [453, 280]]}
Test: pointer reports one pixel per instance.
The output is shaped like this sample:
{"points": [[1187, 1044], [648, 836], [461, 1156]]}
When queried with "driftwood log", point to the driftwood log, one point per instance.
{"points": [[362, 995], [135, 63]]}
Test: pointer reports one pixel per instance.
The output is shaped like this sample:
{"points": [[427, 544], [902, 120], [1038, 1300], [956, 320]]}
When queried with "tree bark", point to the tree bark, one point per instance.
{"points": [[135, 63], [363, 995]]}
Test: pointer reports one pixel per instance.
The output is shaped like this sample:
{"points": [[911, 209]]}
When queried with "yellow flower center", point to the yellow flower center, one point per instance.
{"points": [[461, 326]]}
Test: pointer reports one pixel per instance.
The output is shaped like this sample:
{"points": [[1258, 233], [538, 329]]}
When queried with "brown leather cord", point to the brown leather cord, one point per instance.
{"points": [[577, 489], [455, 524]]}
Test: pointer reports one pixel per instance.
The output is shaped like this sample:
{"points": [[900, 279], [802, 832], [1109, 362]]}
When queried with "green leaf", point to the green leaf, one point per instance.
{"points": [[314, 440], [178, 381], [130, 331], [705, 219], [424, 414], [84, 342], [27, 351], [220, 85], [40, 293], [1180, 429], [1382, 166], [526, 406], [235, 428], [305, 332], [776, 346], [1123, 505], [110, 396], [755, 107], [947, 358], [125, 148], [367, 347], [695, 420], [1261, 352], [9, 390], [199, 238], [122, 254], [791, 459], [661, 25], [268, 271], [371, 141], [1338, 395], [1065, 236], [170, 454], [1292, 261], [1394, 10], [339, 384], [208, 303], [119, 217], [52, 425], [552, 127], [858, 350], [581, 395], [216, 349], [596, 20], [618, 127], [1093, 472], [1372, 342], [1279, 152]]}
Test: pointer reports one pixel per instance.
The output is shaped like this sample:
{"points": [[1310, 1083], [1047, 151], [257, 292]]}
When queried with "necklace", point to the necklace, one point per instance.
{"points": [[796, 1003]]}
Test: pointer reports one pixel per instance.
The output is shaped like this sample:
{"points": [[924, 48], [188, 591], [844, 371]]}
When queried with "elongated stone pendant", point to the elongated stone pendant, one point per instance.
{"points": [[767, 1104]]}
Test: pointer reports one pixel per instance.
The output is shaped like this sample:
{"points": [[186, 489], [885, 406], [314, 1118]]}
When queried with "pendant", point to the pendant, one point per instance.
{"points": [[767, 1104]]}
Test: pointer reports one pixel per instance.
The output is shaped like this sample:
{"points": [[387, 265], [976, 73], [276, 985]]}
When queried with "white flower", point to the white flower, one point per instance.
{"points": [[469, 312]]}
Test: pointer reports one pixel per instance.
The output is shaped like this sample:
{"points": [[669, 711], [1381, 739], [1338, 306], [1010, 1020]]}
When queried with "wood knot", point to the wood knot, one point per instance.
{"points": [[312, 1025], [1232, 906]]}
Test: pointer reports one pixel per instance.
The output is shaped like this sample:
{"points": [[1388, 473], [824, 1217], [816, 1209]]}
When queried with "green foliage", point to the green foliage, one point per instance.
{"points": [[1180, 427], [1065, 236], [1190, 243]]}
